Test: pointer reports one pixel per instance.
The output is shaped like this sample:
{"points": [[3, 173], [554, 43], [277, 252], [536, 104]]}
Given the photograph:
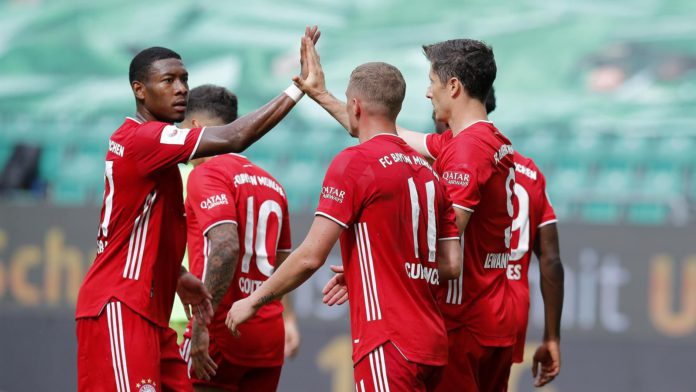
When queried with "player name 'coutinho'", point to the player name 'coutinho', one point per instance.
{"points": [[245, 178]]}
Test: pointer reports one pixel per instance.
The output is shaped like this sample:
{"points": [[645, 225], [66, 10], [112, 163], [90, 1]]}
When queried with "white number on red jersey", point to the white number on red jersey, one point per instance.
{"points": [[415, 212], [103, 231], [267, 208]]}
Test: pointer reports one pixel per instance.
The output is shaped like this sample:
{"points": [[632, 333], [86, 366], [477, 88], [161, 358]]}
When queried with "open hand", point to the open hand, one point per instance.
{"points": [[201, 362], [336, 291], [195, 297], [240, 312], [548, 355], [311, 78]]}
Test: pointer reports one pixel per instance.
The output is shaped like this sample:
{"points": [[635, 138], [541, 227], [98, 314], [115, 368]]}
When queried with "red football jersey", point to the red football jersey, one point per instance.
{"points": [[394, 209], [231, 189], [532, 211], [478, 172], [142, 233]]}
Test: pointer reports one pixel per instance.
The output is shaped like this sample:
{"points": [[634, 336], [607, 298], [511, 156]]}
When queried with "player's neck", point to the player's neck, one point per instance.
{"points": [[466, 115], [369, 128]]}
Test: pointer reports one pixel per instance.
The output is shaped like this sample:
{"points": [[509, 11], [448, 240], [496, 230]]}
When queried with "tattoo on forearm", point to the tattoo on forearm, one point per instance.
{"points": [[222, 262], [268, 299]]}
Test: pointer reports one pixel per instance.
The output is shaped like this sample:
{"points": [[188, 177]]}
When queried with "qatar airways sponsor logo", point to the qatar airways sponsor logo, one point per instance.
{"points": [[214, 201], [532, 174], [456, 178], [496, 260], [417, 271], [248, 286], [116, 148], [505, 149], [331, 193]]}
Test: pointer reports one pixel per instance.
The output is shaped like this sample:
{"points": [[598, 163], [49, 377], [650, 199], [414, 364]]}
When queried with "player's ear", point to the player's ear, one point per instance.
{"points": [[138, 90], [455, 87], [196, 124], [357, 109]]}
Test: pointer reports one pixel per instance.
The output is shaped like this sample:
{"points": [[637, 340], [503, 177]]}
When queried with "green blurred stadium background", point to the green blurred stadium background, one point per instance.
{"points": [[601, 94]]}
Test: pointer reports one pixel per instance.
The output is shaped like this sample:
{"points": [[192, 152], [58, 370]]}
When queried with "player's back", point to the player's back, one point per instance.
{"points": [[478, 168], [231, 189], [390, 202], [138, 261]]}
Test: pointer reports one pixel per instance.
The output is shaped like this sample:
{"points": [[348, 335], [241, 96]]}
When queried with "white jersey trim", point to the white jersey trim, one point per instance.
{"points": [[448, 238], [284, 250], [195, 148], [325, 215], [462, 207], [548, 222], [218, 223]]}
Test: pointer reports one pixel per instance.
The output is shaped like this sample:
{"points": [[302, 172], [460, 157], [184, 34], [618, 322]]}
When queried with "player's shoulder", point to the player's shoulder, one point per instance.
{"points": [[349, 155]]}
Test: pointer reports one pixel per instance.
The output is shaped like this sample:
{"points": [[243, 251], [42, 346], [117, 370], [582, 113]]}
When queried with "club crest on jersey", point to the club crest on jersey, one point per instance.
{"points": [[331, 193], [456, 178], [214, 201], [146, 385]]}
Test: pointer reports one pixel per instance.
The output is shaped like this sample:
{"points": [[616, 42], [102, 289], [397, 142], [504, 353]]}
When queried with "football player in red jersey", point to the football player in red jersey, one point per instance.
{"points": [[475, 162], [534, 228], [397, 238], [230, 198], [125, 301]]}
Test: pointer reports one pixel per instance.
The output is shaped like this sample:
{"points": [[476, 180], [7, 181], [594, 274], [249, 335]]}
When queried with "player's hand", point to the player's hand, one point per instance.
{"points": [[313, 34], [547, 363], [201, 362], [193, 294], [292, 337], [311, 80], [336, 291], [240, 312]]}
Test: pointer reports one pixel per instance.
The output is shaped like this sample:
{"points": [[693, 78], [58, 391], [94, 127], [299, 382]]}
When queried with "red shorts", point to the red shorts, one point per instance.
{"points": [[474, 368], [234, 377], [518, 348], [123, 352], [386, 369]]}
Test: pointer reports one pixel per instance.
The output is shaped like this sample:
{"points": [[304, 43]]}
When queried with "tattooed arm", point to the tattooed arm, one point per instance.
{"points": [[298, 267], [222, 262]]}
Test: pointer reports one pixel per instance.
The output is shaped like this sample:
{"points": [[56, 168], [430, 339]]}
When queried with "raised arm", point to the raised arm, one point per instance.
{"points": [[298, 267], [241, 133], [314, 85], [551, 271]]}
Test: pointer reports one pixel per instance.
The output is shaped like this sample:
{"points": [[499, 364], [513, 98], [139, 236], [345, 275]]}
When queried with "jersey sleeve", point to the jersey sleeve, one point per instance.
{"points": [[434, 143], [158, 145], [210, 198], [463, 174], [548, 215], [340, 199], [446, 225], [285, 239]]}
